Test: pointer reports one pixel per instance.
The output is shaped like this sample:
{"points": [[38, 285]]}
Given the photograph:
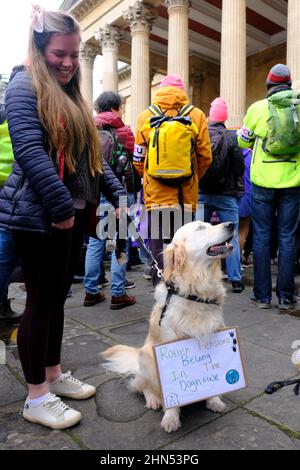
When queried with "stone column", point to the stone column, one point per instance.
{"points": [[178, 45], [87, 58], [140, 18], [196, 83], [109, 39], [233, 60], [293, 42]]}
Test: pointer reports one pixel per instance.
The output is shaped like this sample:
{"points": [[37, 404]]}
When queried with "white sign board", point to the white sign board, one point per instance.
{"points": [[192, 370]]}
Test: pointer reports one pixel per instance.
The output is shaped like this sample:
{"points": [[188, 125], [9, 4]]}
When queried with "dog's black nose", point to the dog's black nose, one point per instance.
{"points": [[230, 226]]}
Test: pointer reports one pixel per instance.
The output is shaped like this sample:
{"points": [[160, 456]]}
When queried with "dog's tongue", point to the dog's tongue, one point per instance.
{"points": [[216, 247]]}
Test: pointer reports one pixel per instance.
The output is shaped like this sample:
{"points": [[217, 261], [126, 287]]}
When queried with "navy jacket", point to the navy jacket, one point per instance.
{"points": [[34, 196], [233, 185]]}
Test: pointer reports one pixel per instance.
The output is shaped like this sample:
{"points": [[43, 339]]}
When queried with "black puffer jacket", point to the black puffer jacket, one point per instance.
{"points": [[34, 196], [234, 167]]}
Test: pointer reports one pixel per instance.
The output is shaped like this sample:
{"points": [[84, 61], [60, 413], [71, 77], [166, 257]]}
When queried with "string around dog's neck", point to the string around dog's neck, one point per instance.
{"points": [[172, 290]]}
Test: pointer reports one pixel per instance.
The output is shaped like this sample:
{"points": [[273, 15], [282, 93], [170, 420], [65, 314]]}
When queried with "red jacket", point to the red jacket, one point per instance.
{"points": [[125, 134], [110, 120]]}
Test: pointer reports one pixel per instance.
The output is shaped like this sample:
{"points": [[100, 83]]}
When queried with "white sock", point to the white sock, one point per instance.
{"points": [[39, 400]]}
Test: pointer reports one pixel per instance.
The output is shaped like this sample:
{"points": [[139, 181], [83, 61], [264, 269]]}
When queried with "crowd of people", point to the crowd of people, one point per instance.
{"points": [[58, 163]]}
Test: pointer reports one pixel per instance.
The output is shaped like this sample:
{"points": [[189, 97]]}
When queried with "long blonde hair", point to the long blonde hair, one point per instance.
{"points": [[63, 112]]}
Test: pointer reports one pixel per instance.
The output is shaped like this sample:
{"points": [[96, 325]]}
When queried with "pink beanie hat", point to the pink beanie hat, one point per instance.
{"points": [[172, 80], [218, 111]]}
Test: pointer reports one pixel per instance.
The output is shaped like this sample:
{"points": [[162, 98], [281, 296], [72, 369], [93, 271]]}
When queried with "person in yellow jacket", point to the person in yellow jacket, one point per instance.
{"points": [[8, 256], [275, 193], [158, 195]]}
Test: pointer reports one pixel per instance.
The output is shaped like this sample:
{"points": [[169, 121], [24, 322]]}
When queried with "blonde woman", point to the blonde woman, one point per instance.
{"points": [[57, 172]]}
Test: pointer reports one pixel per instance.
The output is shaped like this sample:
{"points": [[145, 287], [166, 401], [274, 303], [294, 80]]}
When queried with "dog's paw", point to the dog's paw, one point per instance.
{"points": [[153, 403], [215, 404], [171, 421]]}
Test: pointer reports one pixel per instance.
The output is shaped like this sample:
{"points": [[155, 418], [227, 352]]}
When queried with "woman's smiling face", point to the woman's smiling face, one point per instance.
{"points": [[62, 56]]}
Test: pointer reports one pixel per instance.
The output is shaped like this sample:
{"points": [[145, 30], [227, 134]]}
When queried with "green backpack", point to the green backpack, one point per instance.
{"points": [[284, 124]]}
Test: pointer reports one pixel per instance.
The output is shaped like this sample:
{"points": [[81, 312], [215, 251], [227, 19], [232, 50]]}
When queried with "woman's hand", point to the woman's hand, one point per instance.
{"points": [[65, 224]]}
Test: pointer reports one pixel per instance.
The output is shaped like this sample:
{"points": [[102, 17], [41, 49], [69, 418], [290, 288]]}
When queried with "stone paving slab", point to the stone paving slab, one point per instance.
{"points": [[117, 420], [11, 389], [132, 334], [277, 332], [237, 430], [100, 316], [282, 407], [242, 315], [262, 367], [80, 354], [12, 359], [18, 434]]}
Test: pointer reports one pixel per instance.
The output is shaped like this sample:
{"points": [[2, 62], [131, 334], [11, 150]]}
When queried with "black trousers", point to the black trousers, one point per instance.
{"points": [[48, 262]]}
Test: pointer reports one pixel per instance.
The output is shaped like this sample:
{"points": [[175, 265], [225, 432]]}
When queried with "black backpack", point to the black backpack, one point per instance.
{"points": [[119, 159], [215, 176]]}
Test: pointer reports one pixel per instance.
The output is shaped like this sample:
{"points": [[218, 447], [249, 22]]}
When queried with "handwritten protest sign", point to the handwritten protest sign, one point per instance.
{"points": [[192, 370]]}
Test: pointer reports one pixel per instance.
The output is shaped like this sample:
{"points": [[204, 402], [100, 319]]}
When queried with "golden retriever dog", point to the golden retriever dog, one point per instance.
{"points": [[193, 271]]}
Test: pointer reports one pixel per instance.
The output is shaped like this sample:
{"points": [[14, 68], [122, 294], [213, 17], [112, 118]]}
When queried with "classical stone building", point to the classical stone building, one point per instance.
{"points": [[219, 47]]}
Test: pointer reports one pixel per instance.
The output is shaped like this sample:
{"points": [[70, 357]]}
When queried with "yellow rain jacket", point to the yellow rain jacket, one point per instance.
{"points": [[170, 100]]}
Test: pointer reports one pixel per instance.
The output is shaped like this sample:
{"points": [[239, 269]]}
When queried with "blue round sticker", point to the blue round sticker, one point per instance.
{"points": [[232, 377]]}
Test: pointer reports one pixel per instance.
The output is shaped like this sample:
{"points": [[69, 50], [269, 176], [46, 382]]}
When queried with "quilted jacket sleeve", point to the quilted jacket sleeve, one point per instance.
{"points": [[28, 141], [111, 186]]}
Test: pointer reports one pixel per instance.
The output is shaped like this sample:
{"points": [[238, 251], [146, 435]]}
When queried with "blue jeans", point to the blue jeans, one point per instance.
{"points": [[227, 208], [8, 261], [94, 266], [93, 259], [265, 203]]}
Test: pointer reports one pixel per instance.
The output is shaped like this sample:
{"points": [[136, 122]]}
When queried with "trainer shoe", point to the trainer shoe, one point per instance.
{"points": [[237, 287], [7, 315], [67, 386], [129, 284], [121, 301], [261, 303], [77, 279], [51, 412], [103, 282], [247, 262], [286, 304], [93, 299]]}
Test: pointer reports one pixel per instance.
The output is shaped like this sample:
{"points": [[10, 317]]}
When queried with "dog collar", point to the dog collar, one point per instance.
{"points": [[172, 290]]}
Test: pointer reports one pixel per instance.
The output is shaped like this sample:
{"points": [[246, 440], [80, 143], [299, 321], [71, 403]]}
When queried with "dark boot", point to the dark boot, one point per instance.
{"points": [[122, 301], [7, 315], [93, 299]]}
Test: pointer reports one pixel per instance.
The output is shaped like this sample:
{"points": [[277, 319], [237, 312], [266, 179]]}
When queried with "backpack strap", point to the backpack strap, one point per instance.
{"points": [[155, 110], [185, 110]]}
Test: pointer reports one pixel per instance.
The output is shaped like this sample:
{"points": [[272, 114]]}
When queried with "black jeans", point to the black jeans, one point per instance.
{"points": [[49, 262]]}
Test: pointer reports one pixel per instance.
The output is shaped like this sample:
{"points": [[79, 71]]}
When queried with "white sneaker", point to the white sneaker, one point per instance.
{"points": [[67, 386], [52, 412]]}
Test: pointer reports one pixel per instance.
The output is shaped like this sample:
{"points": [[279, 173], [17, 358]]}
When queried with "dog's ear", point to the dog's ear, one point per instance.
{"points": [[174, 259], [168, 261]]}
